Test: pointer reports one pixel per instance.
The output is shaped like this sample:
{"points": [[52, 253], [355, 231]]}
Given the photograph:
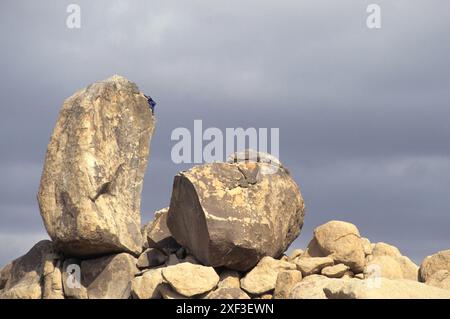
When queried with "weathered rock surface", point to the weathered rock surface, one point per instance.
{"points": [[157, 234], [90, 188], [310, 287], [387, 261], [384, 289], [336, 271], [434, 263], [233, 214], [190, 280], [109, 277], [229, 279], [147, 286], [227, 293], [313, 265], [341, 241], [53, 283], [263, 277], [151, 257], [285, 282], [440, 279], [24, 278]]}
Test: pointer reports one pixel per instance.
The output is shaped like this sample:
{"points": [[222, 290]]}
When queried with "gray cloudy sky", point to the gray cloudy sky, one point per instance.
{"points": [[363, 114]]}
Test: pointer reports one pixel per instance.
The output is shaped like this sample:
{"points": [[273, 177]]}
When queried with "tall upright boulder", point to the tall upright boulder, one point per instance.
{"points": [[90, 188], [233, 214]]}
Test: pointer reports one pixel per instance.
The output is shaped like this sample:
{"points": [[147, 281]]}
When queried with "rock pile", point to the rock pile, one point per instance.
{"points": [[224, 235]]}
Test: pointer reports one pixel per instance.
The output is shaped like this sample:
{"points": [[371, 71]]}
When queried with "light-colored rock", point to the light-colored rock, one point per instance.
{"points": [[233, 214], [147, 286], [24, 277], [366, 245], [89, 195], [440, 279], [286, 280], [341, 241], [382, 288], [383, 249], [434, 263], [263, 277], [310, 287], [53, 283], [313, 265], [296, 253], [358, 276], [336, 271], [227, 293], [266, 296], [167, 292], [190, 280], [151, 257], [109, 277], [391, 267], [229, 279], [157, 235]]}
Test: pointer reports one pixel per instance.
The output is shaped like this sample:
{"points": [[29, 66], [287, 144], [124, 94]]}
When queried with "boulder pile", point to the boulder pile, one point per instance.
{"points": [[225, 234]]}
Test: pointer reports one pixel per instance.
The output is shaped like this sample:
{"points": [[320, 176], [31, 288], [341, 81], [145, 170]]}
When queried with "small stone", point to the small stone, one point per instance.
{"points": [[336, 271], [152, 257], [285, 282], [263, 277], [147, 285], [190, 280], [313, 265]]}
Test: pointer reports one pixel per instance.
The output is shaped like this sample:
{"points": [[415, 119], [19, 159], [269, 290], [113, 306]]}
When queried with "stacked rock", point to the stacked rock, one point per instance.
{"points": [[228, 226]]}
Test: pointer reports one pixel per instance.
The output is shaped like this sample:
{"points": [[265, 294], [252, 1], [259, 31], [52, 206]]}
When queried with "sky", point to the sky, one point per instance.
{"points": [[363, 113]]}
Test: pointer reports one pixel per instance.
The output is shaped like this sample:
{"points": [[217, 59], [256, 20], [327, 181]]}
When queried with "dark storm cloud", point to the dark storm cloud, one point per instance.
{"points": [[363, 114]]}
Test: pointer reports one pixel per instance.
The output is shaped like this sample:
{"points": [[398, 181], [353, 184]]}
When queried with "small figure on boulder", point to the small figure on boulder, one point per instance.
{"points": [[151, 103]]}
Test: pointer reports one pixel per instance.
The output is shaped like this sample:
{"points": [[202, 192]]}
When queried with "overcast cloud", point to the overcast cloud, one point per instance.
{"points": [[363, 114]]}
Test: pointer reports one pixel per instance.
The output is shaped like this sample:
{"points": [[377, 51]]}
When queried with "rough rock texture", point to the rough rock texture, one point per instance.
{"points": [[24, 278], [440, 279], [383, 249], [336, 271], [434, 263], [190, 280], [167, 292], [263, 277], [90, 188], [227, 293], [384, 289], [234, 214], [109, 277], [313, 265], [387, 261], [147, 286], [53, 283], [285, 282], [341, 241], [157, 234], [229, 279], [296, 253], [152, 257], [310, 287]]}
